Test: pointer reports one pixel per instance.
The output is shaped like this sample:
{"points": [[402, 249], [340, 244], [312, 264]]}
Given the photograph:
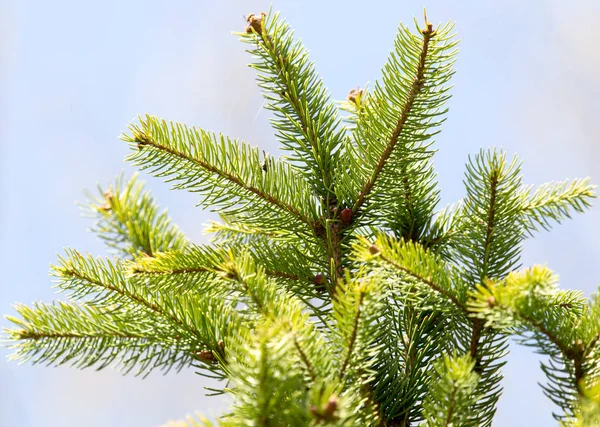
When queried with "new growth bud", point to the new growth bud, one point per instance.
{"points": [[346, 216], [355, 96], [108, 195], [374, 250], [330, 408], [206, 356], [319, 282], [255, 23], [326, 412]]}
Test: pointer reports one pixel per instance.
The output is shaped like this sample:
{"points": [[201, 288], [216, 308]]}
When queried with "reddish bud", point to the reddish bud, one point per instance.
{"points": [[319, 282], [221, 345], [255, 23], [330, 408], [374, 250], [355, 95], [206, 355], [346, 215]]}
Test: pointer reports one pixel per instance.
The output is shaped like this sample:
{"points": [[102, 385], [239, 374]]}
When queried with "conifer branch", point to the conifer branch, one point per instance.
{"points": [[352, 340], [490, 225], [128, 220], [305, 118], [417, 85], [253, 281], [226, 175], [413, 261], [452, 392], [136, 298], [203, 162], [529, 304], [85, 335], [556, 201], [426, 281], [305, 360]]}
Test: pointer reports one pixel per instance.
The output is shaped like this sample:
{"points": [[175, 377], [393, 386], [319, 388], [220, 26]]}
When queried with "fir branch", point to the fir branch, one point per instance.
{"points": [[452, 392], [489, 247], [305, 118], [411, 342], [529, 305], [556, 201], [428, 282], [129, 221], [273, 305], [212, 165], [391, 142], [353, 335], [412, 260], [356, 308], [309, 367], [417, 85], [191, 269], [264, 382], [84, 335], [205, 319]]}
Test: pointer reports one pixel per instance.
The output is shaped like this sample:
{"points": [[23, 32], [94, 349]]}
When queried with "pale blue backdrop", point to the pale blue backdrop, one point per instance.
{"points": [[74, 73]]}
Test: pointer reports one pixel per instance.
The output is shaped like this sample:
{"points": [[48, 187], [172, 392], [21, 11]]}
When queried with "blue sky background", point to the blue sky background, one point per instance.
{"points": [[73, 74]]}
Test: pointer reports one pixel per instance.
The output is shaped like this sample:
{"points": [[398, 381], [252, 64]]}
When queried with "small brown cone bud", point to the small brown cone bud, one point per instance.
{"points": [[320, 283], [108, 195], [491, 301], [346, 215], [374, 250], [221, 345], [255, 23], [206, 356], [428, 31], [319, 279], [330, 408], [355, 96]]}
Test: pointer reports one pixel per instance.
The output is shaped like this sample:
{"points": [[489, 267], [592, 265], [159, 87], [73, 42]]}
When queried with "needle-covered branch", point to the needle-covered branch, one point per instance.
{"points": [[452, 394], [204, 319], [556, 201], [271, 303], [387, 161], [227, 173], [561, 324], [356, 305], [84, 335], [306, 120], [430, 279], [129, 221]]}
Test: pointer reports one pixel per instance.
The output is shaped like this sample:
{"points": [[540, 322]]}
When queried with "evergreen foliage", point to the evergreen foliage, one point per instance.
{"points": [[336, 290]]}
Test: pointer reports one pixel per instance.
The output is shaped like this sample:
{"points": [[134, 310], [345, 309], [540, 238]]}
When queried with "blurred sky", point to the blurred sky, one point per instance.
{"points": [[74, 73]]}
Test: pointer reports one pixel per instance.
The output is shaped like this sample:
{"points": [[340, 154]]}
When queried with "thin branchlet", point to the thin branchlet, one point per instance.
{"points": [[416, 87]]}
